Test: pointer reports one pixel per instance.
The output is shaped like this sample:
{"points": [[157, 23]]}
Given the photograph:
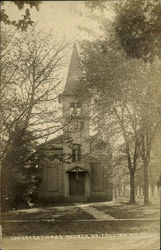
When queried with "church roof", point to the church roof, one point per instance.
{"points": [[57, 142], [74, 73]]}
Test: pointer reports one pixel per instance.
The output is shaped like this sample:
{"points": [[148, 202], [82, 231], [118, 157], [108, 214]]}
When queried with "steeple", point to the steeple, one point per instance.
{"points": [[74, 73], [74, 110]]}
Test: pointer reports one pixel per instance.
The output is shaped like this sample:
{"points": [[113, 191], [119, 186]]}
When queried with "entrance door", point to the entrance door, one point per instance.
{"points": [[76, 186]]}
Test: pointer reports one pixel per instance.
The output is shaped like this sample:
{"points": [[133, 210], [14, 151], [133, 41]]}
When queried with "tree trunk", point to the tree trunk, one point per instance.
{"points": [[114, 193], [124, 190], [114, 189], [158, 190], [132, 186], [136, 191], [146, 184], [158, 186], [119, 191], [139, 191], [152, 190]]}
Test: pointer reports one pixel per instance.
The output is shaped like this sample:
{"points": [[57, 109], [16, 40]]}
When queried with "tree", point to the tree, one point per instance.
{"points": [[137, 27], [120, 170], [31, 77], [137, 33], [97, 4], [26, 21], [117, 88], [155, 163], [30, 74], [150, 123], [20, 180]]}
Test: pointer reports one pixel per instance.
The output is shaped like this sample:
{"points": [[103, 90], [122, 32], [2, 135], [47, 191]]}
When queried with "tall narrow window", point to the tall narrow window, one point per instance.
{"points": [[75, 109], [76, 153], [79, 154], [81, 125], [73, 155]]}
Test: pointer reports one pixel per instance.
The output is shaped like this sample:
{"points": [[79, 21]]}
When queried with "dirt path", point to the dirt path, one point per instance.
{"points": [[99, 215]]}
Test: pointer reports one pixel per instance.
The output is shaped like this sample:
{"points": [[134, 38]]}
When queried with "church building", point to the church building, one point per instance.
{"points": [[69, 170]]}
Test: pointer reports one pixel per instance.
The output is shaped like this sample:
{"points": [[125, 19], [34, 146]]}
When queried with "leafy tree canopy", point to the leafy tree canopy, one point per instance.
{"points": [[137, 27], [26, 20], [96, 4], [121, 93], [21, 172]]}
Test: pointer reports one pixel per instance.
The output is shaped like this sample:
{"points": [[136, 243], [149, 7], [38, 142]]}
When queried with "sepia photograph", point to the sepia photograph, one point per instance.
{"points": [[80, 125]]}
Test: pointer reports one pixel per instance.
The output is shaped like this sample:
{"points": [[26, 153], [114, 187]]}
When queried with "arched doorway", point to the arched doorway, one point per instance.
{"points": [[77, 184]]}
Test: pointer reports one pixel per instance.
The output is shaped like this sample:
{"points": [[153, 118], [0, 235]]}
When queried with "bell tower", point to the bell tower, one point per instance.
{"points": [[75, 110]]}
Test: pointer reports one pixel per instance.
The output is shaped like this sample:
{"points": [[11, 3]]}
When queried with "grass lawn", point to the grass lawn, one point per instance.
{"points": [[78, 227], [127, 211], [66, 220], [61, 213], [76, 213]]}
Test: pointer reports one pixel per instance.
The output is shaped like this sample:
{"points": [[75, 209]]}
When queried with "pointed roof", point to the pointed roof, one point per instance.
{"points": [[74, 72]]}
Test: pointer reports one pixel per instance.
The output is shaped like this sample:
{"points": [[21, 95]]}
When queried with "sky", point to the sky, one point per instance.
{"points": [[62, 17]]}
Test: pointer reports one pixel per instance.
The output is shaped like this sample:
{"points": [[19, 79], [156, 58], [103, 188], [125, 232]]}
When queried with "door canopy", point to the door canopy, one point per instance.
{"points": [[77, 170]]}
